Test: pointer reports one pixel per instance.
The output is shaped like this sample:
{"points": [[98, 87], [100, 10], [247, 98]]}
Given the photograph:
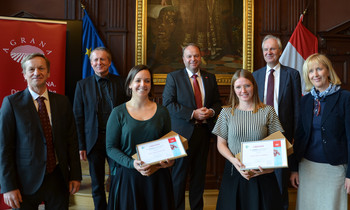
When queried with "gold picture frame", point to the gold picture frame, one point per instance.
{"points": [[222, 79]]}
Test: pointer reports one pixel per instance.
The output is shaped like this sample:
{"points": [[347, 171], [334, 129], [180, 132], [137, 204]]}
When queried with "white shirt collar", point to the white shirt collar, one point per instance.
{"points": [[35, 95], [190, 73], [276, 68]]}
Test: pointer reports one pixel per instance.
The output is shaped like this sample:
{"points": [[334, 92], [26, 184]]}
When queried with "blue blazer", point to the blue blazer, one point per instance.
{"points": [[288, 97], [23, 145], [178, 98], [335, 129], [85, 107]]}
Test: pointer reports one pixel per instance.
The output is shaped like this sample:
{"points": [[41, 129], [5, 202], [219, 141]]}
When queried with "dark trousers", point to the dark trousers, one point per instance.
{"points": [[53, 192], [195, 164], [282, 177], [97, 159]]}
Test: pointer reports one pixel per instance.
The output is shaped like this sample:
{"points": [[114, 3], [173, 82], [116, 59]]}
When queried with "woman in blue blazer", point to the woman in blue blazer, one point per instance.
{"points": [[319, 163]]}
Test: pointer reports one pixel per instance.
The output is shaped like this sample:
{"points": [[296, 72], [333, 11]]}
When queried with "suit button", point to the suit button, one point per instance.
{"points": [[323, 129], [324, 141]]}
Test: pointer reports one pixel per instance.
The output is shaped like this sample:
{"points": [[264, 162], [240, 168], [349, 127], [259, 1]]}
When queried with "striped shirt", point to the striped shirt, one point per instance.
{"points": [[246, 126]]}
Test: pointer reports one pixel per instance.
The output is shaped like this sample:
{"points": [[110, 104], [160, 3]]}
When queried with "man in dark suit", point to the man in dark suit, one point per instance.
{"points": [[285, 96], [94, 100], [192, 117], [39, 159]]}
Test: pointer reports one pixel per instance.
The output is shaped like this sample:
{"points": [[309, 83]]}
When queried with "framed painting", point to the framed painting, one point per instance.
{"points": [[224, 30]]}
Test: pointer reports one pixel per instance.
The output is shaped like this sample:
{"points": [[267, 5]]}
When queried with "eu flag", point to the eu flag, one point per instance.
{"points": [[91, 40]]}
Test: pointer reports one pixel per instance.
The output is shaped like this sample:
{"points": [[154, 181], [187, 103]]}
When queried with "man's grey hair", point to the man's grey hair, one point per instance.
{"points": [[271, 37], [109, 54]]}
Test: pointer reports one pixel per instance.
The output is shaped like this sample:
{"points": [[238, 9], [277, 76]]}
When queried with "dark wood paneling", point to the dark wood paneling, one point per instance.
{"points": [[335, 44]]}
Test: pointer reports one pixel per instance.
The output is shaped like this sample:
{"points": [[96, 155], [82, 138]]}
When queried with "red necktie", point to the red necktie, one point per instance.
{"points": [[197, 91], [45, 123], [270, 89]]}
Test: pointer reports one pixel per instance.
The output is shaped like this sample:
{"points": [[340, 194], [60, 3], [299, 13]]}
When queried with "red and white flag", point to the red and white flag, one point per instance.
{"points": [[301, 45], [20, 37]]}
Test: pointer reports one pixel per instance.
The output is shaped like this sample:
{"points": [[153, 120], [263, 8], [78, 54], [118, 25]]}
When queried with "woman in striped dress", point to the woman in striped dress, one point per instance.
{"points": [[245, 118]]}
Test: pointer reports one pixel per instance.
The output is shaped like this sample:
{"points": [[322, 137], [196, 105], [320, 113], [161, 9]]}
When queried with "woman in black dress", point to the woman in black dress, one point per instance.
{"points": [[135, 185]]}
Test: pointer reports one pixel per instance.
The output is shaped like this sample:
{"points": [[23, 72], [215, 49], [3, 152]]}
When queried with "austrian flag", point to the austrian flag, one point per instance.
{"points": [[301, 45]]}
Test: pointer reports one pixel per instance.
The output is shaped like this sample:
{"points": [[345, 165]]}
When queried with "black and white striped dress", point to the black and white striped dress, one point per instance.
{"points": [[236, 192]]}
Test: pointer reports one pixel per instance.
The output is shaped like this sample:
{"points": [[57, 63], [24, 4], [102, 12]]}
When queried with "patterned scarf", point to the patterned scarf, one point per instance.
{"points": [[320, 96]]}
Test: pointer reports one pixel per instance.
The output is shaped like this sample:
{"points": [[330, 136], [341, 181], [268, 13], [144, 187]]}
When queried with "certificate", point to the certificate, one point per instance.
{"points": [[266, 154], [158, 150]]}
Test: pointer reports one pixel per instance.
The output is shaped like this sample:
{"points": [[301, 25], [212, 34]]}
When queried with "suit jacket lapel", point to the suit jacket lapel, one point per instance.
{"points": [[283, 80], [53, 108], [309, 104], [261, 84], [331, 101], [28, 99], [114, 92], [94, 92], [206, 86], [113, 89]]}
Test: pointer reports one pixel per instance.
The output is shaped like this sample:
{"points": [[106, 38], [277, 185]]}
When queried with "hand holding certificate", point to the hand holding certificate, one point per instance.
{"points": [[264, 154], [167, 148]]}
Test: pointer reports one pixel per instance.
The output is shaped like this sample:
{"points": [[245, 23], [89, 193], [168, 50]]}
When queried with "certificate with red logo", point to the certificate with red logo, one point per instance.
{"points": [[162, 149], [266, 154]]}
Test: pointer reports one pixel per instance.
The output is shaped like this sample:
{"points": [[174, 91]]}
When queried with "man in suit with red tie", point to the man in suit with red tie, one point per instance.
{"points": [[39, 157], [191, 95], [280, 87]]}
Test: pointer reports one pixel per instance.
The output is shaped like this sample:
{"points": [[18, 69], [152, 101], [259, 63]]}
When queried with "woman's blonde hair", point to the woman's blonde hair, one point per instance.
{"points": [[322, 60], [234, 101]]}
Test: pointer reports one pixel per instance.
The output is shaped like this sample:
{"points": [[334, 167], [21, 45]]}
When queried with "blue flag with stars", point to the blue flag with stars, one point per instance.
{"points": [[91, 40]]}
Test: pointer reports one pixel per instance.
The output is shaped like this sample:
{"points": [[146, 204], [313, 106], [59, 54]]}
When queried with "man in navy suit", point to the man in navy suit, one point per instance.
{"points": [[193, 122], [286, 96], [26, 177], [94, 99]]}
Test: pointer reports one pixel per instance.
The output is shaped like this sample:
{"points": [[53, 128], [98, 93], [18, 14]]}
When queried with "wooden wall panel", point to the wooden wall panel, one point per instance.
{"points": [[271, 16], [118, 46], [335, 44]]}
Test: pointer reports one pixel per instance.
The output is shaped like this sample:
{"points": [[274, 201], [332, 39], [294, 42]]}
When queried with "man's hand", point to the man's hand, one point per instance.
{"points": [[82, 154], [74, 186], [13, 198], [202, 113]]}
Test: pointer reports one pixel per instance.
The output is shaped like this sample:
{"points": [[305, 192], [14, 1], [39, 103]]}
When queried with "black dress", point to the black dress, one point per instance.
{"points": [[259, 193]]}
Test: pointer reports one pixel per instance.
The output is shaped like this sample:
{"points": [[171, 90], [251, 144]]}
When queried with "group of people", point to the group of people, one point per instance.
{"points": [[270, 100], [42, 136]]}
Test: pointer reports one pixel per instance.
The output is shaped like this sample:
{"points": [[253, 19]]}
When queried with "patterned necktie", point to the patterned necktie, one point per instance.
{"points": [[197, 91], [45, 123], [270, 89]]}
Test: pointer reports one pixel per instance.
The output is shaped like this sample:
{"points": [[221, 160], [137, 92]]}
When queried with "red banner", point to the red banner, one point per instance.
{"points": [[20, 37]]}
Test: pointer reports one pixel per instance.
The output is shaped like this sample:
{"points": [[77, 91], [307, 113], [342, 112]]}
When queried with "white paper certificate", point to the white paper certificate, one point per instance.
{"points": [[266, 154], [161, 149]]}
